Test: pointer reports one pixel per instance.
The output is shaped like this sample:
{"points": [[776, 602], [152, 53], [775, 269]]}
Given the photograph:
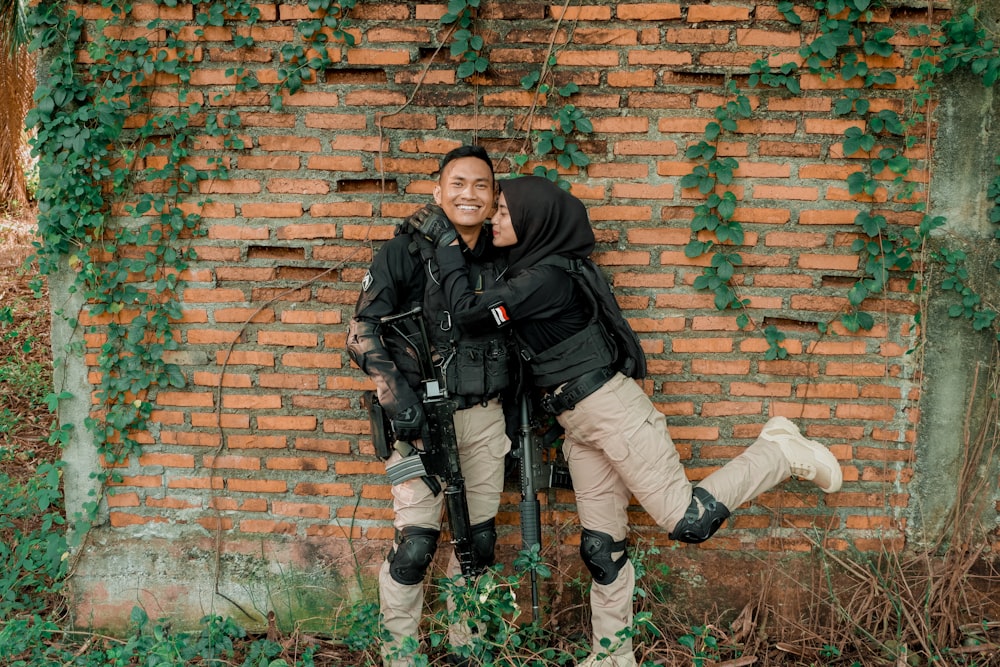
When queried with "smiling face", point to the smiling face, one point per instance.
{"points": [[504, 235], [466, 192]]}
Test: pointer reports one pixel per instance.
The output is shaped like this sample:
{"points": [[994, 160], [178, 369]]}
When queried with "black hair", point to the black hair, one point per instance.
{"points": [[467, 151]]}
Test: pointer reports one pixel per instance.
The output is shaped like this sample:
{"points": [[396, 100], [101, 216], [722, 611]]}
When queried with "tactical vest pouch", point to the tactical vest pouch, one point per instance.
{"points": [[582, 352], [477, 369]]}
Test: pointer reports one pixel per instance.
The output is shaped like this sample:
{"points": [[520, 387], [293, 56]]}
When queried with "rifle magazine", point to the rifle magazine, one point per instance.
{"points": [[405, 469]]}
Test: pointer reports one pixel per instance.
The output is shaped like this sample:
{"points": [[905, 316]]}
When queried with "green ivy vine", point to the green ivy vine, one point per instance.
{"points": [[568, 122], [465, 44], [845, 36], [303, 59], [120, 188]]}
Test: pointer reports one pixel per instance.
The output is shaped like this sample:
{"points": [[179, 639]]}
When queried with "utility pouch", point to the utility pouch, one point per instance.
{"points": [[381, 426]]}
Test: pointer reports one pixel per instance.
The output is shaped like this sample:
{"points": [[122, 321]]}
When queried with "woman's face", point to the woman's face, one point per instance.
{"points": [[503, 229]]}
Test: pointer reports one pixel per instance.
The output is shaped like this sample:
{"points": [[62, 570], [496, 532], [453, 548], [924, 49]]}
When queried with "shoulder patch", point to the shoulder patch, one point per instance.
{"points": [[367, 281], [500, 314]]}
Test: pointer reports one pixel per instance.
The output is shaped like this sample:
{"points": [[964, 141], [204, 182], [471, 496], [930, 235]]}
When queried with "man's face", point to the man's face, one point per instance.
{"points": [[466, 192]]}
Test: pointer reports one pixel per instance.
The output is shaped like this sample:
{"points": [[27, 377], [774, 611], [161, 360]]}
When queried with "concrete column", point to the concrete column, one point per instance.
{"points": [[963, 164]]}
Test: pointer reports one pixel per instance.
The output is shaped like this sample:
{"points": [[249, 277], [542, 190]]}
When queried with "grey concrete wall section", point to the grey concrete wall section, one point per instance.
{"points": [[967, 143], [184, 578], [80, 456]]}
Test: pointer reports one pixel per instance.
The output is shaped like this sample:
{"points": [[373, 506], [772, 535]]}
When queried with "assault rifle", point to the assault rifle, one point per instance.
{"points": [[438, 452], [536, 474]]}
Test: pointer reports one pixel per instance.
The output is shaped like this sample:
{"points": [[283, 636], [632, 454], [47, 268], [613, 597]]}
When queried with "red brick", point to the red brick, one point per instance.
{"points": [[215, 483], [312, 360], [211, 419], [272, 210], [323, 445], [121, 519], [238, 441], [167, 460], [728, 409], [694, 388], [297, 463], [859, 369], [326, 489], [241, 358], [191, 439], [648, 11], [701, 345], [303, 510], [171, 503], [774, 389], [359, 468], [827, 390], [123, 499], [580, 13], [267, 526], [185, 399], [286, 422], [288, 381], [709, 367], [700, 13], [257, 485], [866, 412], [214, 523], [288, 338]]}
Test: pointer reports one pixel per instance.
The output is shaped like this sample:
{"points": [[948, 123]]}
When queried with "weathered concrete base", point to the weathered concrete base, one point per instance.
{"points": [[313, 583], [302, 581]]}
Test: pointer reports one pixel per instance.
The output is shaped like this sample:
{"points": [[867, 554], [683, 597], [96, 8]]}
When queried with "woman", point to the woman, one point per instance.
{"points": [[616, 442]]}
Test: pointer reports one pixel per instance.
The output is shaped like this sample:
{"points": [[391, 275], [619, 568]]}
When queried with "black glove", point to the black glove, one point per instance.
{"points": [[408, 424], [433, 225]]}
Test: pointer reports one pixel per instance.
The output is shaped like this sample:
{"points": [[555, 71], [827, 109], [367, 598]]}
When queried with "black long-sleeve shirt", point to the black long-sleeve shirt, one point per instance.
{"points": [[542, 303]]}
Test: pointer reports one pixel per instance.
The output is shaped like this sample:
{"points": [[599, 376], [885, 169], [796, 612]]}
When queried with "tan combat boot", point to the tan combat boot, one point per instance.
{"points": [[807, 459]]}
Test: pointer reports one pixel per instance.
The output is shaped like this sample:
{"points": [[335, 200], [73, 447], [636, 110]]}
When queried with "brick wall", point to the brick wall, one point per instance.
{"points": [[268, 442]]}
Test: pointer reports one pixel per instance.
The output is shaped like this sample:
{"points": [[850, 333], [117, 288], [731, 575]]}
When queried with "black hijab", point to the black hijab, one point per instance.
{"points": [[547, 220]]}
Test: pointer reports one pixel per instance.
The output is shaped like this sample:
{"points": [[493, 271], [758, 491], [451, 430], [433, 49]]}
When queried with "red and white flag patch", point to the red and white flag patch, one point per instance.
{"points": [[500, 314]]}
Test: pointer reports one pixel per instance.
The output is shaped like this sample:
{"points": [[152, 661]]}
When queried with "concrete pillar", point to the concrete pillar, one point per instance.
{"points": [[963, 164]]}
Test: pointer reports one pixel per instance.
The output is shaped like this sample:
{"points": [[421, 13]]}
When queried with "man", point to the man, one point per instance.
{"points": [[474, 369]]}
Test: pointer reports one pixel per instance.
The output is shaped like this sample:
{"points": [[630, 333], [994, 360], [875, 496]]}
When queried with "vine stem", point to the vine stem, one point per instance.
{"points": [[526, 128]]}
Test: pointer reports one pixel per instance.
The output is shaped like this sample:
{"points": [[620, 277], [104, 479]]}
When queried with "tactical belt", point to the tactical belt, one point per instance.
{"points": [[576, 390], [466, 402]]}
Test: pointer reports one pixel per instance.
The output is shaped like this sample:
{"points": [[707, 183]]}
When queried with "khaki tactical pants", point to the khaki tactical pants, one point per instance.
{"points": [[482, 445], [617, 446]]}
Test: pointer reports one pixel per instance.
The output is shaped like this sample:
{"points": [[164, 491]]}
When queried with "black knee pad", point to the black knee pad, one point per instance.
{"points": [[412, 555], [700, 521], [596, 549], [484, 540]]}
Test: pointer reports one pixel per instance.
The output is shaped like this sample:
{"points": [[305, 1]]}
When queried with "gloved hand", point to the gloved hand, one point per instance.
{"points": [[408, 424], [434, 225]]}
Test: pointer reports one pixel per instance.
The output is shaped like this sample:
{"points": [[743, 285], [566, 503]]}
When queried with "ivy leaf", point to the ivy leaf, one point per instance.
{"points": [[569, 89], [695, 248], [857, 294]]}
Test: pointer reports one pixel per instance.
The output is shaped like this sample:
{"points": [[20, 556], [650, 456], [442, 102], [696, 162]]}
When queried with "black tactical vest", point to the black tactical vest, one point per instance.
{"points": [[473, 368]]}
